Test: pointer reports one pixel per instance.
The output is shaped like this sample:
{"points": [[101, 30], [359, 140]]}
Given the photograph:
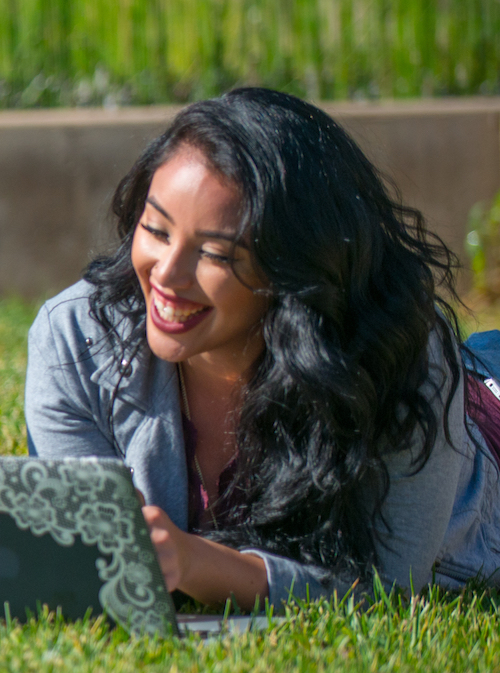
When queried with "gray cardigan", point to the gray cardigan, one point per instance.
{"points": [[444, 520]]}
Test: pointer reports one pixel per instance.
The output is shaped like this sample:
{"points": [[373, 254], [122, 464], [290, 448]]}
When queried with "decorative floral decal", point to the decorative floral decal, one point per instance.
{"points": [[94, 499], [105, 525], [86, 479], [32, 512], [138, 574]]}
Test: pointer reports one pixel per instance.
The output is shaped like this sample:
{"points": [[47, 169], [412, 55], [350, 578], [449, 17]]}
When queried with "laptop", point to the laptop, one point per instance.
{"points": [[72, 536]]}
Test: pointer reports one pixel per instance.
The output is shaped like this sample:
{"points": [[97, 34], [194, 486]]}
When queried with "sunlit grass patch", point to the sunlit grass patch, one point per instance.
{"points": [[433, 632], [15, 319]]}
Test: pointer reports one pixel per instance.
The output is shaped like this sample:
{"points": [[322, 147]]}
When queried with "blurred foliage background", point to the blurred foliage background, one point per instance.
{"points": [[119, 52], [483, 246]]}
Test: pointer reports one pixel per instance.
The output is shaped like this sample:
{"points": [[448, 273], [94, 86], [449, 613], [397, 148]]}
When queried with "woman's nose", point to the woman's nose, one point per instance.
{"points": [[175, 268]]}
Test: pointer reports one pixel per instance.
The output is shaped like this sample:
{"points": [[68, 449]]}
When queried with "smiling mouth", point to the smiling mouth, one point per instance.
{"points": [[176, 315]]}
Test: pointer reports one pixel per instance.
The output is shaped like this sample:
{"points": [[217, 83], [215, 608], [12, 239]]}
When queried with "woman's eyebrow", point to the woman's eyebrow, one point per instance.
{"points": [[199, 232], [151, 200], [205, 233]]}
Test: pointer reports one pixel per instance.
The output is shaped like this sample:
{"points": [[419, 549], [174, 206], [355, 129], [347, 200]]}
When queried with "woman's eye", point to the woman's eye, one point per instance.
{"points": [[158, 233], [214, 257]]}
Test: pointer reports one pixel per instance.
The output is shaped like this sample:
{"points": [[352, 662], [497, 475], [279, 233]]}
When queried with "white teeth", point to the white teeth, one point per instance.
{"points": [[171, 314]]}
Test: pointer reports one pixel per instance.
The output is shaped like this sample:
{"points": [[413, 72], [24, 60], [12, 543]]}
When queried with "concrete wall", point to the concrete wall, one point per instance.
{"points": [[58, 170]]}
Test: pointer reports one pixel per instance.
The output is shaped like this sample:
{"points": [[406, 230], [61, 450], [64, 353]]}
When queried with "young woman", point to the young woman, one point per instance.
{"points": [[267, 351]]}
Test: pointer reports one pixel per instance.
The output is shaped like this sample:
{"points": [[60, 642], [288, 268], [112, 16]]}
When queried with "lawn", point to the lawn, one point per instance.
{"points": [[15, 319], [435, 632]]}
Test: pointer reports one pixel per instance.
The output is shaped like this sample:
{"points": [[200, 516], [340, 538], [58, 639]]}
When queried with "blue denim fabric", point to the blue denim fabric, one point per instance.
{"points": [[485, 347]]}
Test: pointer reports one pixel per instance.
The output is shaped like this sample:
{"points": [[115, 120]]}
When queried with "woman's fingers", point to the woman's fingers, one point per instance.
{"points": [[203, 569], [165, 541]]}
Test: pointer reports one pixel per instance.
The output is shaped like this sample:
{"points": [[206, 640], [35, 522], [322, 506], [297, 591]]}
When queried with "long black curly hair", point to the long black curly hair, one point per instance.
{"points": [[352, 278]]}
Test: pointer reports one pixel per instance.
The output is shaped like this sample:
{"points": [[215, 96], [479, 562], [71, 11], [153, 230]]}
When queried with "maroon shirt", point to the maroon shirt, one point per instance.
{"points": [[484, 409], [197, 496]]}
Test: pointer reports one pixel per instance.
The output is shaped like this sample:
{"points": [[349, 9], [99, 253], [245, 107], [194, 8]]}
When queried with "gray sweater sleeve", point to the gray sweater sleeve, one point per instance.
{"points": [[63, 418], [72, 384]]}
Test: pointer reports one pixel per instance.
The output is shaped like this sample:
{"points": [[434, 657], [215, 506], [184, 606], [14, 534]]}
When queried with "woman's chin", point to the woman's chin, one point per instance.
{"points": [[167, 354]]}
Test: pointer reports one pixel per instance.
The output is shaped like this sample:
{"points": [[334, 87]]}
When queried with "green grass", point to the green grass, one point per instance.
{"points": [[438, 632], [435, 632], [15, 319], [81, 52]]}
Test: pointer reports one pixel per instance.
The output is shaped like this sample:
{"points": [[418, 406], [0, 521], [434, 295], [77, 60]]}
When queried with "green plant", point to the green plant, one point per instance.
{"points": [[483, 246], [118, 52]]}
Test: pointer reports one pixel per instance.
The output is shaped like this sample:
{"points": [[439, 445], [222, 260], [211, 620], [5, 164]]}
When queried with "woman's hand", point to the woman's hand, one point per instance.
{"points": [[207, 571], [170, 544]]}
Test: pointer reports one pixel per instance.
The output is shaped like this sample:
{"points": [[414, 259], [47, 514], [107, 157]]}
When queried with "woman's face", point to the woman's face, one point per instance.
{"points": [[196, 306]]}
